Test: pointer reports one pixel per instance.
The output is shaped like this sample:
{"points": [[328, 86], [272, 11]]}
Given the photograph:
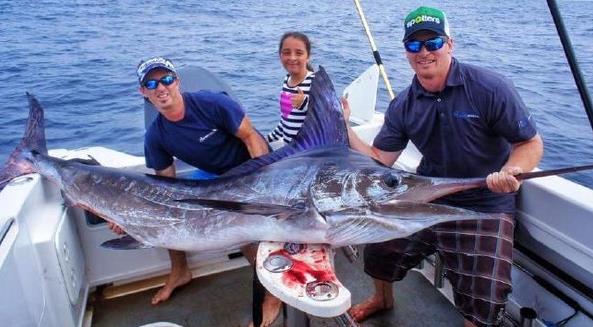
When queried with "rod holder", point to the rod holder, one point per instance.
{"points": [[420, 265], [295, 318], [438, 271], [351, 253], [527, 317], [345, 320]]}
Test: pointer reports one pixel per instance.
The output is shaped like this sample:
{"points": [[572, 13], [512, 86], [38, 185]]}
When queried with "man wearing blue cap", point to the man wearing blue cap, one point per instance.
{"points": [[207, 130], [466, 122]]}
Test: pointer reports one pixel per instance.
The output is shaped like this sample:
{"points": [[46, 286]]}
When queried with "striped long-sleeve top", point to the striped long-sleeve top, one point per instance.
{"points": [[291, 119]]}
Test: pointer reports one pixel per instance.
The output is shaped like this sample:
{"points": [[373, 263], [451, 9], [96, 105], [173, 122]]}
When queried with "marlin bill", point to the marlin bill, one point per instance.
{"points": [[313, 190]]}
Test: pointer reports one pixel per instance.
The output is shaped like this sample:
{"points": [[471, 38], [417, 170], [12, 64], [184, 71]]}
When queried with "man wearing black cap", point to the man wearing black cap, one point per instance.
{"points": [[205, 129], [467, 122]]}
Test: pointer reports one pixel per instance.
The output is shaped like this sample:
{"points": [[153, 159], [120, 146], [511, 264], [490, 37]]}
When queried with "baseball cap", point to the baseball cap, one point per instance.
{"points": [[145, 67], [426, 18]]}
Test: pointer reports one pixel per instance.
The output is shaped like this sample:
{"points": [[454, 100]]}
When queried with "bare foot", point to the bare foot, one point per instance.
{"points": [[270, 308], [173, 281], [369, 307]]}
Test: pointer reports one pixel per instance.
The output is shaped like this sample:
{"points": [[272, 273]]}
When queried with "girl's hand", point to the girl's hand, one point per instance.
{"points": [[298, 99]]}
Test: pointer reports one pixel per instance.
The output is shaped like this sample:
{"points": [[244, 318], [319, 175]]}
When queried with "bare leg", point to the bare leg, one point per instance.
{"points": [[467, 323], [250, 252], [381, 300], [271, 309], [180, 275], [271, 304]]}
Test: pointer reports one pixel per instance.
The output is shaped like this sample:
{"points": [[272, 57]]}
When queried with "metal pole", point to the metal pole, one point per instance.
{"points": [[439, 277], [572, 61], [350, 252], [374, 48], [346, 320]]}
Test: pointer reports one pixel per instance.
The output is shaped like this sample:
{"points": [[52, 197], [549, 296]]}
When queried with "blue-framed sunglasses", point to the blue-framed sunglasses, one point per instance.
{"points": [[166, 80], [414, 46]]}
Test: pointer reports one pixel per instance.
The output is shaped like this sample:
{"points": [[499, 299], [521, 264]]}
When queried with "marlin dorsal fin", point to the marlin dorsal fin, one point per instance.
{"points": [[323, 126]]}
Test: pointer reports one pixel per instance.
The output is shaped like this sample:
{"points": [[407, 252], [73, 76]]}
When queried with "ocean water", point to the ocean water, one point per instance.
{"points": [[79, 59]]}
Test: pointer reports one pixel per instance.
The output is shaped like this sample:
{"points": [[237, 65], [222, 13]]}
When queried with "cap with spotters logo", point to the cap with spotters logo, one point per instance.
{"points": [[426, 18]]}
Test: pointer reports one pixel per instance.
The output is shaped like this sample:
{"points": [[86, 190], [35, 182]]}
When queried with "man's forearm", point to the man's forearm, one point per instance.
{"points": [[526, 155], [359, 145], [387, 158], [256, 145]]}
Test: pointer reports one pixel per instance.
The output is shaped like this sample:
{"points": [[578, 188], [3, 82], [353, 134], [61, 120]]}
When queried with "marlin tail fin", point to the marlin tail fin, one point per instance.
{"points": [[33, 140]]}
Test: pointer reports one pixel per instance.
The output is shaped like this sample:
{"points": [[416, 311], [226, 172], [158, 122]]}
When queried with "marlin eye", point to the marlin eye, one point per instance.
{"points": [[391, 180]]}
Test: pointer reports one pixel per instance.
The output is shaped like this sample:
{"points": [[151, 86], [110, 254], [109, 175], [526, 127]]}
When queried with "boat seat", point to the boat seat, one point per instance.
{"points": [[303, 277]]}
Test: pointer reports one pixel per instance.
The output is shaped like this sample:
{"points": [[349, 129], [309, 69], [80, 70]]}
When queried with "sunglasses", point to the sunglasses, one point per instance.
{"points": [[166, 80], [414, 46]]}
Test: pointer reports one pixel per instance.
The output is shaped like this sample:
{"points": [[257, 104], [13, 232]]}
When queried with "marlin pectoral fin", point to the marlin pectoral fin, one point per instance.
{"points": [[396, 219], [90, 161], [124, 243], [264, 209]]}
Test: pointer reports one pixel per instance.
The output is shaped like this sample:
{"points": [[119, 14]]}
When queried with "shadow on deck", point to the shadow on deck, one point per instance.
{"points": [[224, 299]]}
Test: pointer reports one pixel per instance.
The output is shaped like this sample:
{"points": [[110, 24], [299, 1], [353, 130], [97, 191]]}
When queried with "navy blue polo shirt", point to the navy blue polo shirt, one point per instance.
{"points": [[466, 130], [204, 138]]}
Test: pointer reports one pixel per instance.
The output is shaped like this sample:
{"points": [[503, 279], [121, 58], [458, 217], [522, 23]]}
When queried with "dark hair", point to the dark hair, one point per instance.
{"points": [[298, 36]]}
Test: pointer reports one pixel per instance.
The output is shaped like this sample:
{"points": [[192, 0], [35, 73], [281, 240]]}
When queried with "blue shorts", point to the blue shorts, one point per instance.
{"points": [[199, 174]]}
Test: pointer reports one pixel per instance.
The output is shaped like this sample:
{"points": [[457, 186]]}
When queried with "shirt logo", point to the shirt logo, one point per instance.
{"points": [[465, 115], [522, 123], [205, 137]]}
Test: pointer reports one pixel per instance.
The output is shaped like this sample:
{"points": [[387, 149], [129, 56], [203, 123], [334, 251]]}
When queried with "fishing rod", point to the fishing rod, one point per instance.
{"points": [[551, 172], [481, 181], [376, 54], [572, 61]]}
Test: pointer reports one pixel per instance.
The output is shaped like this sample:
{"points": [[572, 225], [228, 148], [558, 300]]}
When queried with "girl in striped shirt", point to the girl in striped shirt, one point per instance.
{"points": [[294, 51]]}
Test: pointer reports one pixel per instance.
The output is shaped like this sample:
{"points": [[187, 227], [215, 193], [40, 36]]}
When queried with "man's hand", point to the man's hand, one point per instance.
{"points": [[298, 99], [503, 181], [346, 109], [115, 228], [524, 156]]}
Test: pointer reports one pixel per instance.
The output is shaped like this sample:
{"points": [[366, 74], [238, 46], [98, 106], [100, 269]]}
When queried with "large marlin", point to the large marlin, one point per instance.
{"points": [[314, 190]]}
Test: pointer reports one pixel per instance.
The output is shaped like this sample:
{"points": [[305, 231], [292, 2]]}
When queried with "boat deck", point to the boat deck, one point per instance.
{"points": [[224, 299]]}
